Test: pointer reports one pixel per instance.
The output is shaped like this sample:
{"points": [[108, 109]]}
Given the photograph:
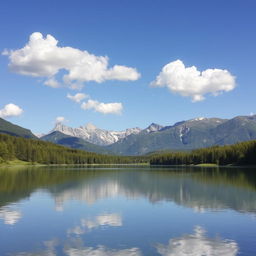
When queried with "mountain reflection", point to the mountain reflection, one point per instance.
{"points": [[200, 189], [198, 244]]}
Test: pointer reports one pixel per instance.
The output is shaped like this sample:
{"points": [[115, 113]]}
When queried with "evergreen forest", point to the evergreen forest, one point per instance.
{"points": [[243, 153], [36, 151]]}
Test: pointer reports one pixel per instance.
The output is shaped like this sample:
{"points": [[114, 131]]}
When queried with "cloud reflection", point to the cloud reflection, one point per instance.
{"points": [[101, 251], [198, 244], [9, 215], [113, 219], [76, 248], [48, 251]]}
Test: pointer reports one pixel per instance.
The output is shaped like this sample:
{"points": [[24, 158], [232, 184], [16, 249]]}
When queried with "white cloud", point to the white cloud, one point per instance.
{"points": [[190, 82], [60, 119], [52, 82], [104, 108], [198, 244], [122, 73], [42, 57], [10, 110], [77, 97]]}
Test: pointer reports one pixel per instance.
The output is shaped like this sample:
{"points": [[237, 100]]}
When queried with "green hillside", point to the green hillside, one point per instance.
{"points": [[37, 151], [15, 130], [189, 135], [182, 136]]}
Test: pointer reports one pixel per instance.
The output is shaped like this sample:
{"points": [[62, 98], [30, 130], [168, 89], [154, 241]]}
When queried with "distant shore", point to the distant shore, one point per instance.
{"points": [[14, 163]]}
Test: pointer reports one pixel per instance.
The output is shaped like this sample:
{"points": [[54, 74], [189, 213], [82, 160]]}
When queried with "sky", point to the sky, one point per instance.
{"points": [[122, 64]]}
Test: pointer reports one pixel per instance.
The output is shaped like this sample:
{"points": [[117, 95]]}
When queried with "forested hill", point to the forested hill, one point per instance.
{"points": [[15, 130], [36, 151], [243, 153]]}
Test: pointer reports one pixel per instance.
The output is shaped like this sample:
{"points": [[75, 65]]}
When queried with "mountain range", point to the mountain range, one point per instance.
{"points": [[185, 135], [94, 135]]}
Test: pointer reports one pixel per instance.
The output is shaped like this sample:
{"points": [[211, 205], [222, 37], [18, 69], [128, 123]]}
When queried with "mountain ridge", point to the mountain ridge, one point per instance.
{"points": [[188, 135], [73, 142], [184, 135], [94, 135], [15, 130]]}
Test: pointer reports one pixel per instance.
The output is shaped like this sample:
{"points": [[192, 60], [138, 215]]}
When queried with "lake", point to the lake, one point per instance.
{"points": [[130, 211]]}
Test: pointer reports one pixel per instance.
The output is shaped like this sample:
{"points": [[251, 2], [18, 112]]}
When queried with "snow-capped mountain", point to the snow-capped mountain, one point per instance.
{"points": [[95, 135], [190, 134], [153, 128]]}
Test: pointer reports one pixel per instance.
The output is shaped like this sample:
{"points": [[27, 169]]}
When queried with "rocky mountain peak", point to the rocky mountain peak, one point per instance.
{"points": [[154, 127], [92, 134]]}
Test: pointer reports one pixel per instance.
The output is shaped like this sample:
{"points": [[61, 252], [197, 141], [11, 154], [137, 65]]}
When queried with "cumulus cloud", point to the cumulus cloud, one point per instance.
{"points": [[198, 244], [189, 82], [10, 110], [104, 108], [42, 57], [52, 82], [77, 97]]}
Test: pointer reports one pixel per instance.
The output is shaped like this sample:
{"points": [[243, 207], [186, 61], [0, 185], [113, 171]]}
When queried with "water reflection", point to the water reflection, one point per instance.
{"points": [[9, 215], [188, 245], [207, 189], [198, 244], [112, 212], [199, 191], [75, 247], [49, 250], [88, 191], [87, 224]]}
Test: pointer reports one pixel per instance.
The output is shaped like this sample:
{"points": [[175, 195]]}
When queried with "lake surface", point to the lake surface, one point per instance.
{"points": [[127, 211]]}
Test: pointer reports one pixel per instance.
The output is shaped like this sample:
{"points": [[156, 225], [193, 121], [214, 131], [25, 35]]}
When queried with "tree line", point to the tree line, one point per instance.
{"points": [[243, 153], [36, 151]]}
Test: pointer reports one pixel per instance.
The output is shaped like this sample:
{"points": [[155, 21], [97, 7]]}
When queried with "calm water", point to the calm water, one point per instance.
{"points": [[127, 211]]}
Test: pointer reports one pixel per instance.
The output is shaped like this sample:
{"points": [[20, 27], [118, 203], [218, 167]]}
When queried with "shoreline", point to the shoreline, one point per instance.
{"points": [[19, 163]]}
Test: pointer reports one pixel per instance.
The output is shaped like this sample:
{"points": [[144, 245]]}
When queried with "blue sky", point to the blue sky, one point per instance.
{"points": [[141, 35]]}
